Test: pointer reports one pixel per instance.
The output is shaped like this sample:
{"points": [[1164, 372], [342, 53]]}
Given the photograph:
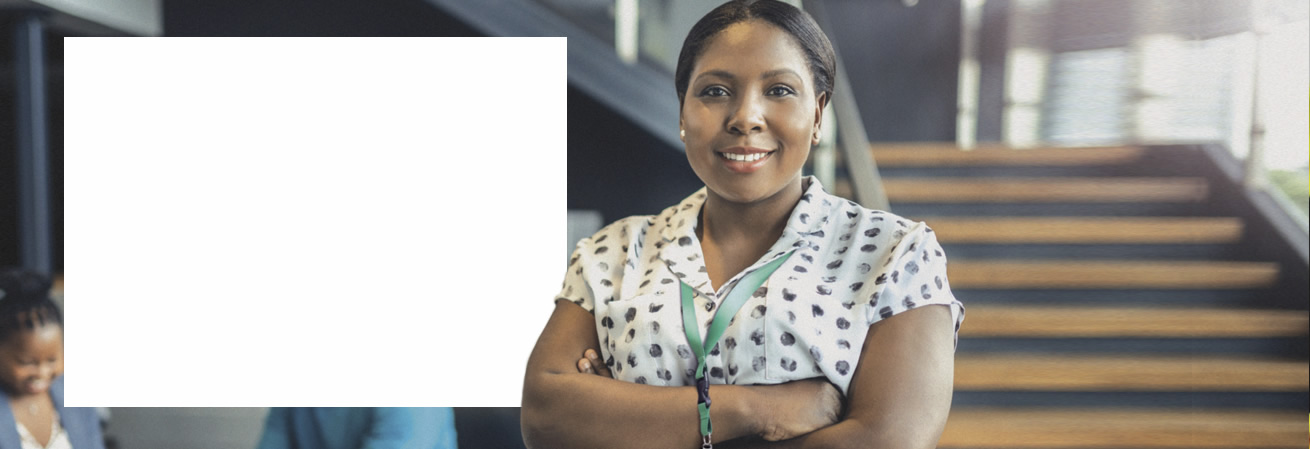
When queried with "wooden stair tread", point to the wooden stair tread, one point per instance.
{"points": [[1047, 189], [1110, 274], [1035, 372], [932, 154], [1162, 230], [990, 428], [1081, 322]]}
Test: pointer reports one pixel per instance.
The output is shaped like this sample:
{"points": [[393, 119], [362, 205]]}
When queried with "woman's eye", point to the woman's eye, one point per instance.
{"points": [[714, 91], [779, 91]]}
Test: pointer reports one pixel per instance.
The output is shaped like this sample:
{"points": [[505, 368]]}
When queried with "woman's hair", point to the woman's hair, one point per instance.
{"points": [[25, 302], [818, 50]]}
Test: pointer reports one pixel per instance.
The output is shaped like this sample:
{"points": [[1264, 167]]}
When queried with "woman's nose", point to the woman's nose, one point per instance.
{"points": [[748, 115]]}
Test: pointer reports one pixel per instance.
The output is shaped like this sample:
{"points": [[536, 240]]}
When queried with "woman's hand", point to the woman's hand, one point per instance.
{"points": [[782, 411], [564, 407], [590, 363], [796, 408]]}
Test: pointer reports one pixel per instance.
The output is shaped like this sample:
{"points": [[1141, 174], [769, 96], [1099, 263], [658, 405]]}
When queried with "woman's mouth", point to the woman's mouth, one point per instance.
{"points": [[744, 161], [36, 385], [744, 157]]}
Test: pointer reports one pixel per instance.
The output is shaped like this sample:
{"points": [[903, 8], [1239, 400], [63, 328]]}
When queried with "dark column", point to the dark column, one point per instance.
{"points": [[34, 226]]}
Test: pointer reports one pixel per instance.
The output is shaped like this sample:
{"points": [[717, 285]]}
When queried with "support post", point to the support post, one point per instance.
{"points": [[966, 119], [34, 222]]}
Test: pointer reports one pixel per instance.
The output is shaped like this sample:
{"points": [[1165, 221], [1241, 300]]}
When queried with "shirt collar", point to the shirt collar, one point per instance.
{"points": [[681, 250], [809, 215]]}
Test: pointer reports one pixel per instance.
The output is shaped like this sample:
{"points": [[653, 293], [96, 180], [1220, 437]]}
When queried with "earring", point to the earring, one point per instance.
{"points": [[682, 133]]}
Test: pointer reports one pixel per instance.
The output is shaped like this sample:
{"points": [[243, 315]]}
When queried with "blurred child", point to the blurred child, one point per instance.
{"points": [[31, 368]]}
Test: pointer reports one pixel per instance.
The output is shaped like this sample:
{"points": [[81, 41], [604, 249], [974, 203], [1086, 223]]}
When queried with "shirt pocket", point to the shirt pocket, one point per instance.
{"points": [[644, 333]]}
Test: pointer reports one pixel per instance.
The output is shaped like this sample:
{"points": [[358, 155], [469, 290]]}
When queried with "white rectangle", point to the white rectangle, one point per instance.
{"points": [[310, 221]]}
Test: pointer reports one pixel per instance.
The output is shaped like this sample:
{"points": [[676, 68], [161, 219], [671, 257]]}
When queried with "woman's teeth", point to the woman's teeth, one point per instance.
{"points": [[744, 157]]}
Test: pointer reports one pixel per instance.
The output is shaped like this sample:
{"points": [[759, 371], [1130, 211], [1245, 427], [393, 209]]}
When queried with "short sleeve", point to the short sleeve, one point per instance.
{"points": [[913, 275], [575, 288]]}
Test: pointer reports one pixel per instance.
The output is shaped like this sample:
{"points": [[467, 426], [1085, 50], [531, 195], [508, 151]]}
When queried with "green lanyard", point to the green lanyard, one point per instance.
{"points": [[727, 310]]}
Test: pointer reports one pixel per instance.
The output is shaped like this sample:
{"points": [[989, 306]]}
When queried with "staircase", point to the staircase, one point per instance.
{"points": [[1112, 301]]}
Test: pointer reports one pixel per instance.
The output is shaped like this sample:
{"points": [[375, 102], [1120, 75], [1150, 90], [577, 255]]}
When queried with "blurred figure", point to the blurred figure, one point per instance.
{"points": [[31, 368], [359, 428]]}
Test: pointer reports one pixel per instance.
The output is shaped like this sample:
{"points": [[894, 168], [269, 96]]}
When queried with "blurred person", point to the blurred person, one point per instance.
{"points": [[818, 322], [359, 428], [31, 371]]}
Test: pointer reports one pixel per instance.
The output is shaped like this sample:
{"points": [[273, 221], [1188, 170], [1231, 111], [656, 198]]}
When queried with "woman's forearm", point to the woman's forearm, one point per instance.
{"points": [[848, 434], [573, 410], [563, 408], [900, 395]]}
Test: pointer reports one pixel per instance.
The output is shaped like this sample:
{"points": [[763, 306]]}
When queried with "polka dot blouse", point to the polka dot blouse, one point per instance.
{"points": [[852, 267]]}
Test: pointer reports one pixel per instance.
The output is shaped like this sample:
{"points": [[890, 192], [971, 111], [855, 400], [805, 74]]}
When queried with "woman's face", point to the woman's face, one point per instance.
{"points": [[30, 360], [750, 114]]}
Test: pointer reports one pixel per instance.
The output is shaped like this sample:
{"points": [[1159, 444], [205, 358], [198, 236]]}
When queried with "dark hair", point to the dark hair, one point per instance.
{"points": [[25, 302], [818, 50]]}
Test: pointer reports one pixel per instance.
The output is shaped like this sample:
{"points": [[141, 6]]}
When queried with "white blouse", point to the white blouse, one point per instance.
{"points": [[852, 267], [58, 437]]}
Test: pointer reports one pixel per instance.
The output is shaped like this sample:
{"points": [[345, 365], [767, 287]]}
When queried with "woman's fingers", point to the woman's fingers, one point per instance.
{"points": [[590, 363], [584, 366], [593, 358], [834, 400]]}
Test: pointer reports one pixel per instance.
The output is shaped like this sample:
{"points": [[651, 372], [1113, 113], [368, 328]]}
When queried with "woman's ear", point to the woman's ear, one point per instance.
{"points": [[819, 104], [682, 131]]}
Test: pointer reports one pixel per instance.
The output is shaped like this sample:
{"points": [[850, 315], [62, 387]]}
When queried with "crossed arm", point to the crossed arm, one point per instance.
{"points": [[899, 396]]}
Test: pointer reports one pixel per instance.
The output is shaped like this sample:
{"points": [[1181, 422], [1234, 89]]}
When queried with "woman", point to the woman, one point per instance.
{"points": [[31, 364], [832, 344]]}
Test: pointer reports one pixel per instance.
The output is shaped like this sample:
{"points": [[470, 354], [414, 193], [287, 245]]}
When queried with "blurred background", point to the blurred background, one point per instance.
{"points": [[1122, 185]]}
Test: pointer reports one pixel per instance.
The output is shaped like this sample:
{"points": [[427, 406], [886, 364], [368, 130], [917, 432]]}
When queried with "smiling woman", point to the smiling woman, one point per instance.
{"points": [[804, 311], [31, 368], [749, 117]]}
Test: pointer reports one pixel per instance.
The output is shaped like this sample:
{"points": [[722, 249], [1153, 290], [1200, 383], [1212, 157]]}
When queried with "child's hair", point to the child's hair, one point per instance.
{"points": [[25, 302]]}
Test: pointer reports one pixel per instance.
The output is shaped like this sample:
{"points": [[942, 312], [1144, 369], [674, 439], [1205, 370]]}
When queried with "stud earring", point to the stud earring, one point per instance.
{"points": [[682, 133]]}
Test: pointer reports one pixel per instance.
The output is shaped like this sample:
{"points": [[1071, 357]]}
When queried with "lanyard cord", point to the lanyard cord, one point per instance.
{"points": [[727, 310]]}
